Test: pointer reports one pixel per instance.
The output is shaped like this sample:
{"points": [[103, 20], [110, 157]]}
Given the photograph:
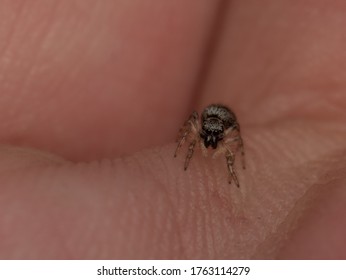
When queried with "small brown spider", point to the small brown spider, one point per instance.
{"points": [[219, 130]]}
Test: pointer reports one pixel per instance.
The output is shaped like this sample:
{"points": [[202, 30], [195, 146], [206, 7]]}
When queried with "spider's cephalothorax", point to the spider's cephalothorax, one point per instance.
{"points": [[219, 130], [215, 120]]}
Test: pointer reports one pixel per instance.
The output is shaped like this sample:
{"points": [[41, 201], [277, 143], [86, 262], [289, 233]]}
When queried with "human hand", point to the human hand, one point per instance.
{"points": [[87, 80]]}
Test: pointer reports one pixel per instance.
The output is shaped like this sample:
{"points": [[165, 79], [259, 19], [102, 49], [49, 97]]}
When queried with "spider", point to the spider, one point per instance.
{"points": [[219, 130]]}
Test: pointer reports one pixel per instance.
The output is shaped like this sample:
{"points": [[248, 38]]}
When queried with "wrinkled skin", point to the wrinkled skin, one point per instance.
{"points": [[94, 93]]}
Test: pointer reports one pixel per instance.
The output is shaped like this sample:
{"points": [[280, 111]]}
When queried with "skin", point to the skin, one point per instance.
{"points": [[92, 94]]}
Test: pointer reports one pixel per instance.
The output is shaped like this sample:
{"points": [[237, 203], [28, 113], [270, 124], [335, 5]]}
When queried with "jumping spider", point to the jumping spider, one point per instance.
{"points": [[217, 129]]}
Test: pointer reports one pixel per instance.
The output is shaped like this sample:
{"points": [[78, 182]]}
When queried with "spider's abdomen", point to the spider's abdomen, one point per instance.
{"points": [[220, 112]]}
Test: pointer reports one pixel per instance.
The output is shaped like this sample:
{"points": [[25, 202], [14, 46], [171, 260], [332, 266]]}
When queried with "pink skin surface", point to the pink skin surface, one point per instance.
{"points": [[92, 94]]}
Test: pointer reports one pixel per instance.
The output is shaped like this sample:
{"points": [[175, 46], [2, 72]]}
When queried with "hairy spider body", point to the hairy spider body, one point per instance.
{"points": [[218, 129]]}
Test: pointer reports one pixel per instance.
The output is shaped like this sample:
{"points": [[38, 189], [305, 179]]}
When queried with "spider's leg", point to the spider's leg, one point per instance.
{"points": [[240, 145], [189, 153], [190, 124], [186, 131], [231, 170]]}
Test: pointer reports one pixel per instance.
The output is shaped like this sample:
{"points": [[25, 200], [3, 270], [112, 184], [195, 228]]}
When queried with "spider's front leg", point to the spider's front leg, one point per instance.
{"points": [[240, 144], [191, 125], [190, 153], [231, 170]]}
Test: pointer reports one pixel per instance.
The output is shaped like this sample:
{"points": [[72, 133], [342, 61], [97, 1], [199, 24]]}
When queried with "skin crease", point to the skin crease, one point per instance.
{"points": [[93, 93]]}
